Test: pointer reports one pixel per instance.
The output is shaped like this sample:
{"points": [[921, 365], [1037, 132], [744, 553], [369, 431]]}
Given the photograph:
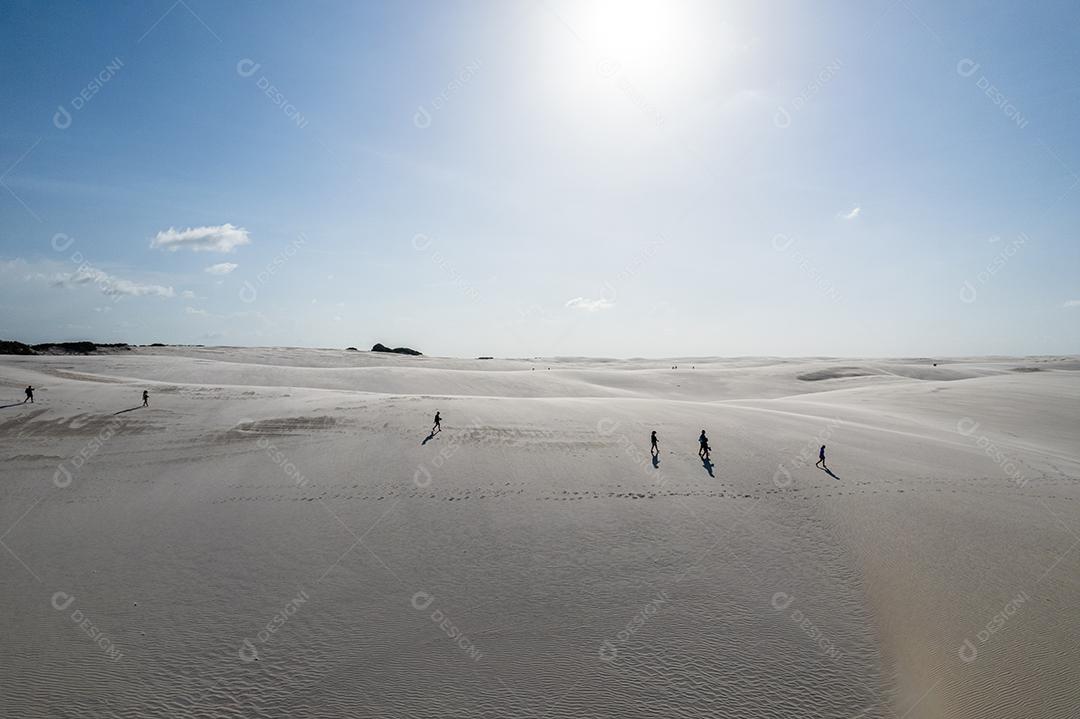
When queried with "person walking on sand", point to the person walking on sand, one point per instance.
{"points": [[437, 427], [655, 444], [29, 395], [145, 398], [821, 459], [704, 442]]}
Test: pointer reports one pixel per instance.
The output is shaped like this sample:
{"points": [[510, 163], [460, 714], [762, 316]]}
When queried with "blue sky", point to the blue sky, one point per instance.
{"points": [[604, 178]]}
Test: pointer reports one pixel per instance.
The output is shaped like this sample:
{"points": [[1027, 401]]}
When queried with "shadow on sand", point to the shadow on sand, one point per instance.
{"points": [[13, 404], [430, 437], [708, 465], [128, 410], [656, 461], [828, 471]]}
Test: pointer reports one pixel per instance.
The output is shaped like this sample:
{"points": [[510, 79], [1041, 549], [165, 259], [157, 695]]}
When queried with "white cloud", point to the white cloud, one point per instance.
{"points": [[223, 238], [852, 214], [187, 295], [1071, 303], [583, 303], [110, 284], [221, 268], [193, 311]]}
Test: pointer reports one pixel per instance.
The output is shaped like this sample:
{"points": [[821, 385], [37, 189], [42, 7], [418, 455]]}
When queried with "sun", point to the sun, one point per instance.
{"points": [[640, 34]]}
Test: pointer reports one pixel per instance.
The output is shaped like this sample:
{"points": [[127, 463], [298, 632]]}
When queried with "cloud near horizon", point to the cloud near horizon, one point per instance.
{"points": [[583, 303], [222, 238], [851, 214], [1071, 303], [110, 285], [221, 268]]}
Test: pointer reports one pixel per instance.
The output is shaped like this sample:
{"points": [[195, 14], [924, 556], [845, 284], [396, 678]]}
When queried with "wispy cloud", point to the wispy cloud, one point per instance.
{"points": [[1071, 303], [110, 285], [852, 214], [222, 238], [587, 305], [193, 311], [221, 268]]}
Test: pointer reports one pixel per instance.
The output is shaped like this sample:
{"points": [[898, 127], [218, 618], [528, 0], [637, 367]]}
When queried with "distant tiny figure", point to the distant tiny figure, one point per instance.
{"points": [[655, 444], [704, 442], [29, 395], [145, 398], [437, 427], [821, 459]]}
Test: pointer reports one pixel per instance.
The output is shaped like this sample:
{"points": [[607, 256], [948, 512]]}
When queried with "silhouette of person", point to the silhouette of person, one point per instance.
{"points": [[655, 444], [821, 458], [704, 442], [29, 395], [145, 398], [437, 427]]}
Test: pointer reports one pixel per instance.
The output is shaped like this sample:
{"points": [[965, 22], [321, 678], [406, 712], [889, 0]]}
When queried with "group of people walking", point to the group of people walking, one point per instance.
{"points": [[703, 442], [654, 443], [704, 449]]}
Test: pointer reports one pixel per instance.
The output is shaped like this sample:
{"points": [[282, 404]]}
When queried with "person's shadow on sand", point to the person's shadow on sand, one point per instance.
{"points": [[128, 410], [708, 465], [656, 461], [829, 472], [13, 404], [428, 438]]}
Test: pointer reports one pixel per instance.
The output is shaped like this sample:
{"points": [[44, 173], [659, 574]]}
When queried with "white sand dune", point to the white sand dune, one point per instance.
{"points": [[276, 535]]}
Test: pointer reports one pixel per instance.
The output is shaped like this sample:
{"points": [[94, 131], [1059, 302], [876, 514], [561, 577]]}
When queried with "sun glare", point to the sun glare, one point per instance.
{"points": [[639, 33]]}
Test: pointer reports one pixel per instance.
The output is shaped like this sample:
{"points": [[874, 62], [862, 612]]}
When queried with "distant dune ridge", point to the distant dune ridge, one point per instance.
{"points": [[280, 534]]}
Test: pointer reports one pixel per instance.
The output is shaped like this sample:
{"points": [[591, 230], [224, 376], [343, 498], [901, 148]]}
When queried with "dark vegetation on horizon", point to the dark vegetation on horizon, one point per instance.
{"points": [[379, 347], [11, 347]]}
